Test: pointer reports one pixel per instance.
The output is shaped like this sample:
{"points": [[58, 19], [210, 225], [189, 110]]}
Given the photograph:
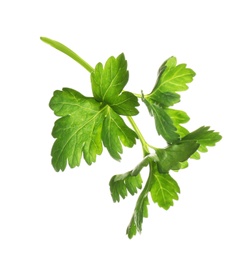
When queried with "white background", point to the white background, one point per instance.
{"points": [[70, 215]]}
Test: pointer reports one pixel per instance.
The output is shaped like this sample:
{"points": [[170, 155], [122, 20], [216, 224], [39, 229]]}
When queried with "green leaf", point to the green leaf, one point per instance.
{"points": [[131, 229], [121, 184], [108, 83], [178, 117], [171, 157], [115, 132], [83, 125], [196, 155], [204, 137], [172, 78], [140, 212], [78, 130], [163, 122], [164, 190], [125, 104]]}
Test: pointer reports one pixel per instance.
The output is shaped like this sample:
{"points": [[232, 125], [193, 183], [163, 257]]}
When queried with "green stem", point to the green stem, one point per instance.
{"points": [[138, 95], [147, 186], [139, 134], [59, 46]]}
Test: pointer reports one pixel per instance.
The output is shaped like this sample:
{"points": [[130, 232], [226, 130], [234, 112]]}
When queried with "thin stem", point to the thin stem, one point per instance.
{"points": [[59, 46], [138, 95], [153, 147], [139, 134], [148, 184]]}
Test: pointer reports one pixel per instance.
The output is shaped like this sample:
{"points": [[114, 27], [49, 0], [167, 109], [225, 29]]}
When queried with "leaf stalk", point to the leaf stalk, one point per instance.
{"points": [[61, 47], [139, 134]]}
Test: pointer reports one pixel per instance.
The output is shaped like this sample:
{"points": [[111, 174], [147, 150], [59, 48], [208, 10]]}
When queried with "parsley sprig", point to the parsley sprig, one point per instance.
{"points": [[87, 124]]}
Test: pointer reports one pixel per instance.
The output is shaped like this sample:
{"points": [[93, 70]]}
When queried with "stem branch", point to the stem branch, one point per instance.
{"points": [[139, 134]]}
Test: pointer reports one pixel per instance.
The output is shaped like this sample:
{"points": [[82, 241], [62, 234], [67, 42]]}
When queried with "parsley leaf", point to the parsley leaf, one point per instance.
{"points": [[172, 78], [121, 183], [170, 158], [204, 137], [115, 130], [108, 83], [164, 124], [129, 181], [141, 209], [78, 130], [83, 125], [140, 212], [178, 117], [164, 190]]}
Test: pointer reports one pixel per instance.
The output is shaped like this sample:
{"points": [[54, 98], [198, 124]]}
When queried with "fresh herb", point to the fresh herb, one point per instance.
{"points": [[87, 124]]}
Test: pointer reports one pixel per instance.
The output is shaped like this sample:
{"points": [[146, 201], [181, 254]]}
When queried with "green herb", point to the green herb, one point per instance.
{"points": [[87, 124]]}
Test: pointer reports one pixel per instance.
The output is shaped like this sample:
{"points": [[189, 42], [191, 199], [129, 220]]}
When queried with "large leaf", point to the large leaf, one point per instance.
{"points": [[84, 123], [77, 131]]}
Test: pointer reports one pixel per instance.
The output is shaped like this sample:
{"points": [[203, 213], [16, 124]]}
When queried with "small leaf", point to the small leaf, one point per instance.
{"points": [[204, 136], [131, 229], [108, 83], [195, 156], [170, 157], [164, 190], [115, 132], [163, 122], [178, 117], [121, 184], [164, 99], [140, 212], [172, 78]]}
